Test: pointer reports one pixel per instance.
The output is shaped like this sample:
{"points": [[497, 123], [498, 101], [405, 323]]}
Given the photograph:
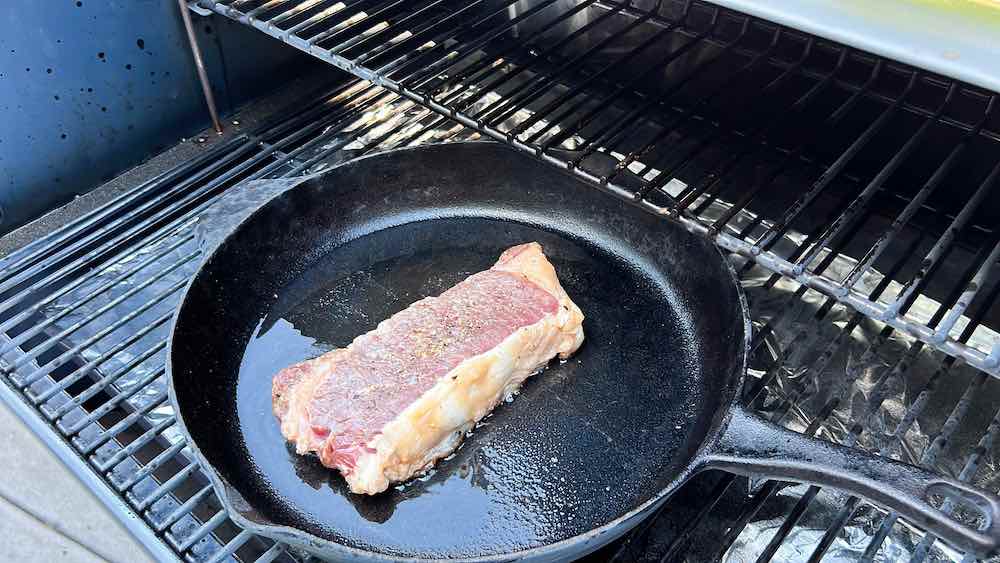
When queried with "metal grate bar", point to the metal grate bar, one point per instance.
{"points": [[75, 350], [32, 263], [547, 109], [818, 367], [864, 198], [35, 351], [175, 501], [972, 464], [49, 321], [233, 544], [539, 88], [89, 223], [969, 294], [438, 72], [831, 172], [89, 368], [169, 485], [270, 555], [184, 509], [21, 276], [952, 423], [624, 89], [916, 203], [452, 57], [618, 132], [151, 466], [800, 105], [214, 522], [103, 383], [109, 406], [546, 54], [125, 423]]}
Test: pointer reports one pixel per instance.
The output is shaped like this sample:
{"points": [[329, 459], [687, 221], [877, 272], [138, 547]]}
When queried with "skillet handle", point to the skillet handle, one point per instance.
{"points": [[751, 445]]}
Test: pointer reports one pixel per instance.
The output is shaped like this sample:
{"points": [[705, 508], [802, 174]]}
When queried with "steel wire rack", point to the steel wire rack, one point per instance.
{"points": [[576, 83]]}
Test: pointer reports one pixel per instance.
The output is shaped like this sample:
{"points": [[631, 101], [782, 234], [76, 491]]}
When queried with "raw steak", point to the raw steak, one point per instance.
{"points": [[401, 397]]}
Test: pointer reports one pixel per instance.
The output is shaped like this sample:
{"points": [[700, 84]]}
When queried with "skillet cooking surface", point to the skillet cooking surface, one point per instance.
{"points": [[584, 443]]}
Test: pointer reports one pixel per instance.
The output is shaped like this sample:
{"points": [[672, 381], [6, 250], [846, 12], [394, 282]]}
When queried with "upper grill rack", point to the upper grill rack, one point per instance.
{"points": [[821, 132]]}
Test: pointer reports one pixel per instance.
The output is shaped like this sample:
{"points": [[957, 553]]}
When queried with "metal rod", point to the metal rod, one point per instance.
{"points": [[271, 554], [608, 100], [876, 396], [816, 367], [474, 73], [423, 33], [578, 89], [505, 77], [133, 417], [65, 356], [383, 27], [500, 109], [169, 485], [116, 245], [317, 18], [150, 466], [455, 53], [357, 20], [184, 509], [111, 404], [51, 341], [969, 470], [873, 187], [202, 531], [199, 64], [977, 283], [96, 272], [139, 443], [614, 131], [754, 138], [941, 247], [88, 223], [230, 547], [790, 115], [886, 238], [833, 170], [343, 142], [90, 366]]}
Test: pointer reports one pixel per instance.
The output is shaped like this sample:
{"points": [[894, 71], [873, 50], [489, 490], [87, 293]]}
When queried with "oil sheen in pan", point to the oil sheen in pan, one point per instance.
{"points": [[505, 471]]}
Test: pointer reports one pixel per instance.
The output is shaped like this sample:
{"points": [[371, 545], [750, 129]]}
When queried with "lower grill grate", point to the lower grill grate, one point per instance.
{"points": [[85, 312], [816, 132]]}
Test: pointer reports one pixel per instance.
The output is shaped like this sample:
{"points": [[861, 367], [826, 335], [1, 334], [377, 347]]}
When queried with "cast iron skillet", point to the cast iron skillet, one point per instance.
{"points": [[586, 450]]}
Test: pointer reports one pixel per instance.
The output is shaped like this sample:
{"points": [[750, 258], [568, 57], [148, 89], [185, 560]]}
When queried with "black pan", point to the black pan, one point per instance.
{"points": [[586, 450]]}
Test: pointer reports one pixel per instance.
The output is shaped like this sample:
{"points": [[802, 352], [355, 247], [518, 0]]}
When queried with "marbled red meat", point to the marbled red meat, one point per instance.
{"points": [[339, 405]]}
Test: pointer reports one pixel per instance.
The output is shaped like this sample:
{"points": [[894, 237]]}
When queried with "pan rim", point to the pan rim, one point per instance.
{"points": [[613, 529]]}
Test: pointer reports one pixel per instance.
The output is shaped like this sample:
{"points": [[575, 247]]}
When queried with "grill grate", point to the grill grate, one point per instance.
{"points": [[84, 314], [815, 132]]}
